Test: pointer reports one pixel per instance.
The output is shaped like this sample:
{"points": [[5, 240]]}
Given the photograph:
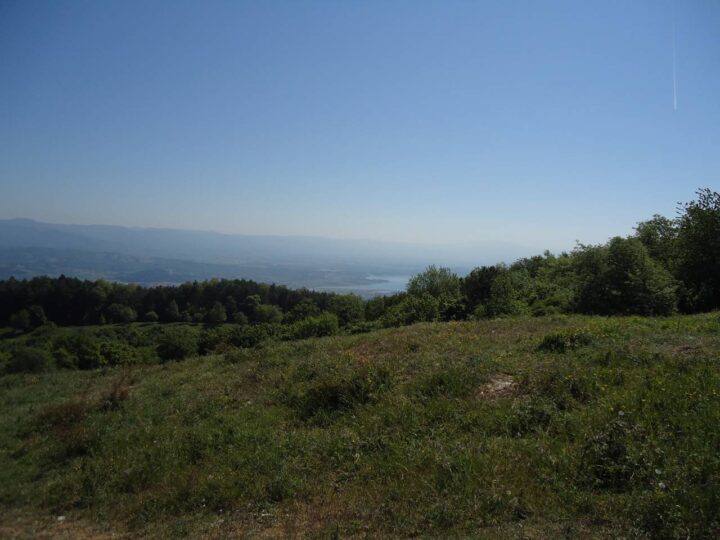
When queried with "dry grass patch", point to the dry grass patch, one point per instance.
{"points": [[499, 386]]}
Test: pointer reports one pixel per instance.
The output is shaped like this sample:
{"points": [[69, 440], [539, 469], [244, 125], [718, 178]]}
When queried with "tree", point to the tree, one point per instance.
{"points": [[348, 308], [37, 316], [699, 251], [240, 318], [172, 311], [216, 315], [637, 283], [412, 309], [118, 313], [622, 278], [477, 284], [21, 320], [659, 236], [267, 313], [436, 282], [503, 298], [302, 310]]}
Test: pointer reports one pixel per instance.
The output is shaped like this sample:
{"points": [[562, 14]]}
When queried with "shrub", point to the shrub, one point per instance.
{"points": [[87, 350], [563, 341], [322, 325], [212, 338], [529, 417], [28, 360], [251, 335], [118, 313], [337, 393], [66, 421], [240, 318], [115, 353], [176, 344], [609, 459], [216, 315], [65, 359], [267, 313], [412, 309], [115, 395]]}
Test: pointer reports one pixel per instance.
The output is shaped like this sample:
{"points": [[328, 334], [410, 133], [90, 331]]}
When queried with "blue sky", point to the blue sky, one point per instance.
{"points": [[528, 122]]}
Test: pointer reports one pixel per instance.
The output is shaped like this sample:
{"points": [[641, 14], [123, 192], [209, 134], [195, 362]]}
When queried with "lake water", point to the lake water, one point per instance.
{"points": [[378, 285]]}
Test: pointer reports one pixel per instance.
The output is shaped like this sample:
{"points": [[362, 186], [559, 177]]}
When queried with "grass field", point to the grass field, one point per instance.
{"points": [[576, 427]]}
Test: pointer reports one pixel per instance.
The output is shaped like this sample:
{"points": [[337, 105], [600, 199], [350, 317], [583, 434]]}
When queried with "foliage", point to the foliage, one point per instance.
{"points": [[216, 314], [435, 282], [325, 324], [175, 344], [699, 251], [622, 278], [28, 360]]}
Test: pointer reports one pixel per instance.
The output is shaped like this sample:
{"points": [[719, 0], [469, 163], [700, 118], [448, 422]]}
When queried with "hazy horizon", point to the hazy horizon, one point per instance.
{"points": [[536, 124]]}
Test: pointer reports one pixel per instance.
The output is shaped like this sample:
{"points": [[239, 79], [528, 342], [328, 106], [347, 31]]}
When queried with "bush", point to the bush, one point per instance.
{"points": [[267, 313], [118, 313], [251, 335], [29, 360], [65, 359], [216, 315], [66, 421], [332, 395], [176, 344], [610, 460], [412, 309], [115, 353], [622, 278], [87, 351], [563, 341], [322, 325]]}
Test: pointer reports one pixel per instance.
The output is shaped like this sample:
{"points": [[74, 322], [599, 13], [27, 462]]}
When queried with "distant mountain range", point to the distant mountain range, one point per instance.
{"points": [[153, 256]]}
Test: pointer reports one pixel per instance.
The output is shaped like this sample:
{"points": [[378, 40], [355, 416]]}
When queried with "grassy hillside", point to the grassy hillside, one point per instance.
{"points": [[549, 427]]}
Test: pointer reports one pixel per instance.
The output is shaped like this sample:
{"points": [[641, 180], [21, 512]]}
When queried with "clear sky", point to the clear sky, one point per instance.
{"points": [[530, 122]]}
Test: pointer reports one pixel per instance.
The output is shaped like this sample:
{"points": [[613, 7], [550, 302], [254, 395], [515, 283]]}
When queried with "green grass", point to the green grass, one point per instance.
{"points": [[550, 427]]}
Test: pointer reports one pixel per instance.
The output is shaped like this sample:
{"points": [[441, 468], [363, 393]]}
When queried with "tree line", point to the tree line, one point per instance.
{"points": [[666, 265]]}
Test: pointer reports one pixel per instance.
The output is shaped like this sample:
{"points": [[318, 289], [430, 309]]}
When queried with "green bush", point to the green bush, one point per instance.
{"points": [[251, 335], [333, 394], [29, 360], [115, 353], [325, 324], [176, 344], [64, 358], [87, 350], [561, 342]]}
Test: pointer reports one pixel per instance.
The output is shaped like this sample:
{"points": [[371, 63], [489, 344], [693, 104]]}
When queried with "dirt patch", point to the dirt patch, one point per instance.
{"points": [[498, 386], [47, 528]]}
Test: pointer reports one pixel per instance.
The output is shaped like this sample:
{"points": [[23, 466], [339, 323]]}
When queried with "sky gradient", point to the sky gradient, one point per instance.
{"points": [[527, 122]]}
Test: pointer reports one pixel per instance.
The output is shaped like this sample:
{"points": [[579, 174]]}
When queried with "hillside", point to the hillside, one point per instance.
{"points": [[558, 426]]}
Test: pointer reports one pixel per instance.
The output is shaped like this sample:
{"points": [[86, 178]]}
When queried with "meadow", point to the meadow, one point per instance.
{"points": [[559, 426]]}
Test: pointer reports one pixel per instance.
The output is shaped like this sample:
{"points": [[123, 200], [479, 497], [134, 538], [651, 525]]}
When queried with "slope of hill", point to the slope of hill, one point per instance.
{"points": [[534, 428]]}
